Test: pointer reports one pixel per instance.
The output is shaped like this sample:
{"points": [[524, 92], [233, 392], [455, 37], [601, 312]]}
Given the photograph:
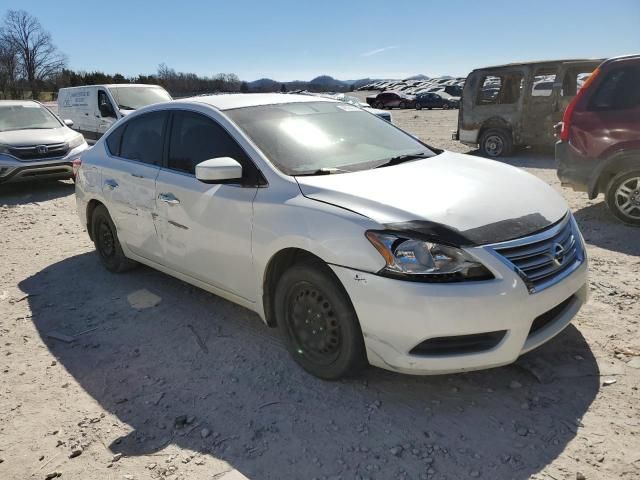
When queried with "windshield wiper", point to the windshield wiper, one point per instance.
{"points": [[403, 158], [126, 107], [321, 171]]}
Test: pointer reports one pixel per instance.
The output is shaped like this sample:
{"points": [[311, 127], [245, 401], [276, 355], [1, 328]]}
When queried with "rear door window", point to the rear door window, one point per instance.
{"points": [[500, 89], [619, 90], [543, 80], [143, 138]]}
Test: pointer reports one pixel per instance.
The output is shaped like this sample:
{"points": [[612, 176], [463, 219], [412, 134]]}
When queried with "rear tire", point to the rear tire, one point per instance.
{"points": [[418, 106], [623, 197], [496, 142], [318, 323], [402, 105], [105, 238]]}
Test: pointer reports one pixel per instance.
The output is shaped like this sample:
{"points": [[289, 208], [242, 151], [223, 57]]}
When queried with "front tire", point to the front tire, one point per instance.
{"points": [[418, 106], [318, 323], [496, 142], [105, 239], [623, 197]]}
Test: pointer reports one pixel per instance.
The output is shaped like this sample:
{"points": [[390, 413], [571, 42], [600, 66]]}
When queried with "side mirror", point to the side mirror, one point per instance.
{"points": [[68, 122], [219, 170], [106, 110]]}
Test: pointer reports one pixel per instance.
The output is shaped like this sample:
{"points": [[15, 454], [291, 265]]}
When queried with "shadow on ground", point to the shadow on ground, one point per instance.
{"points": [[599, 227], [29, 192], [195, 354]]}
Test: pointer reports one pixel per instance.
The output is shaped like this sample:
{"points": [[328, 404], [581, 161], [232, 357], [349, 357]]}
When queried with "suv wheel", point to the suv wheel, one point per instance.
{"points": [[379, 105], [318, 322], [105, 238], [623, 197], [418, 106], [403, 105], [496, 142]]}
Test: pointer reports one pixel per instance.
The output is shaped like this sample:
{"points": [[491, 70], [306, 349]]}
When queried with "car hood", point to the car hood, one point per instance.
{"points": [[452, 197], [23, 138], [376, 111]]}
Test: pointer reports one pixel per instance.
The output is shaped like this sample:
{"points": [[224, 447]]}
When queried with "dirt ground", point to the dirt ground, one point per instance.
{"points": [[140, 376]]}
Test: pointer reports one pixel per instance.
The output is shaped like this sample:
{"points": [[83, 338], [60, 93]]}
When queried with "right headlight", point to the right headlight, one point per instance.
{"points": [[76, 141], [415, 259]]}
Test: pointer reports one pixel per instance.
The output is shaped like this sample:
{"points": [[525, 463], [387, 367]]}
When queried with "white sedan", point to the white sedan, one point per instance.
{"points": [[359, 242]]}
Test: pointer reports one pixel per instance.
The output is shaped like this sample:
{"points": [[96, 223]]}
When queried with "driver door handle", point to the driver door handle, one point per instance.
{"points": [[169, 198]]}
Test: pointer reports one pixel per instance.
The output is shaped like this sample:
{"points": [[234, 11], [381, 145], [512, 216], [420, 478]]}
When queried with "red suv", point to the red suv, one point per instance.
{"points": [[599, 147]]}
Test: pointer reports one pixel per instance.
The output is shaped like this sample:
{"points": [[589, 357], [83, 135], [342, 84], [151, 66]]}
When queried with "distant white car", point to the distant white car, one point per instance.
{"points": [[94, 108], [35, 143], [359, 242]]}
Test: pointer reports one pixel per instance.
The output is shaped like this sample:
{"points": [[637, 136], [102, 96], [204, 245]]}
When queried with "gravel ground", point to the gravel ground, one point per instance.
{"points": [[141, 376]]}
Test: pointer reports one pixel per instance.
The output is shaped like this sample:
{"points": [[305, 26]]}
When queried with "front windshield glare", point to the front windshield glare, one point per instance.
{"points": [[26, 117], [132, 98], [301, 138]]}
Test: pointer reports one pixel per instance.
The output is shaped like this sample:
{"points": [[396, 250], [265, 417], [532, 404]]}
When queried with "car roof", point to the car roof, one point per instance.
{"points": [[240, 100], [16, 103]]}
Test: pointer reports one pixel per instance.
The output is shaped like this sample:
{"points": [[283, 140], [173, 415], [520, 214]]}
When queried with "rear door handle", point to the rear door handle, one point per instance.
{"points": [[169, 198], [110, 183]]}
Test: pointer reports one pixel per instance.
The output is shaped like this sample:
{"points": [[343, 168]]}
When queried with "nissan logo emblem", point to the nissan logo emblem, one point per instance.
{"points": [[42, 149], [557, 253]]}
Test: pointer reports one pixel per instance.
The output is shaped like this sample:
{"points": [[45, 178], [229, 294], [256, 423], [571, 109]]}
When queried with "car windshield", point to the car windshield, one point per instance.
{"points": [[302, 138], [26, 116], [132, 98]]}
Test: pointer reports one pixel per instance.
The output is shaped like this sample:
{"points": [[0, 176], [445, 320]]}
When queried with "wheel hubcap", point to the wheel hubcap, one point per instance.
{"points": [[627, 198], [106, 242], [494, 145], [313, 324]]}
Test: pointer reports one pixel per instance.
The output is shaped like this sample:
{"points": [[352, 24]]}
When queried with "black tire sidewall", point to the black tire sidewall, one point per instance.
{"points": [[611, 192], [351, 357], [118, 262], [507, 148]]}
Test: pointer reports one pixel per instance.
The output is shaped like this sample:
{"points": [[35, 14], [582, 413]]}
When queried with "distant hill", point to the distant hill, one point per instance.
{"points": [[321, 83], [417, 77]]}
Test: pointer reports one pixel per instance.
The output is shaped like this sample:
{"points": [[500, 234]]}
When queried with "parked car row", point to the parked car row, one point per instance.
{"points": [[428, 100], [414, 86]]}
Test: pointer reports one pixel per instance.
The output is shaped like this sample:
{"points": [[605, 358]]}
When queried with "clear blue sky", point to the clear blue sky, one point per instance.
{"points": [[347, 39]]}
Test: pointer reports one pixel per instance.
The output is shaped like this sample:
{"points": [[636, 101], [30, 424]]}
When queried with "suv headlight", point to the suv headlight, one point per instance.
{"points": [[76, 142], [414, 259]]}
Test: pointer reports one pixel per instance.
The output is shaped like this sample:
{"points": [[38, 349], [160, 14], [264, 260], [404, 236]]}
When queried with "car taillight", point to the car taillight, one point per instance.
{"points": [[76, 166], [568, 113]]}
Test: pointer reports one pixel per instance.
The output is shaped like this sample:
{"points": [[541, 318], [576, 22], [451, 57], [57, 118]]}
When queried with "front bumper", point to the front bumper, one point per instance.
{"points": [[574, 169], [13, 170], [396, 316]]}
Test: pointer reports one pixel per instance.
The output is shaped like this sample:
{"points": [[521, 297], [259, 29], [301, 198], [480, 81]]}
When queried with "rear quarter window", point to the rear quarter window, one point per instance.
{"points": [[114, 140], [619, 90]]}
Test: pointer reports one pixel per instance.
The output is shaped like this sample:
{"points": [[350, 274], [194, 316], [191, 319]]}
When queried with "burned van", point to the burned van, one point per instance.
{"points": [[518, 104]]}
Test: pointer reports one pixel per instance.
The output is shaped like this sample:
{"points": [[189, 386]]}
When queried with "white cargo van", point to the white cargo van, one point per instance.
{"points": [[94, 108]]}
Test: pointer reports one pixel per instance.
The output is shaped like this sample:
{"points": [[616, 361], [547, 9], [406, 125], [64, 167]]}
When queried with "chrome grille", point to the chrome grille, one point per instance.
{"points": [[545, 258], [40, 152]]}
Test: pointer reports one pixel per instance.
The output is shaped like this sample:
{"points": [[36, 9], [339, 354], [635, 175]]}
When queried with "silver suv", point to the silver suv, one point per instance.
{"points": [[36, 144]]}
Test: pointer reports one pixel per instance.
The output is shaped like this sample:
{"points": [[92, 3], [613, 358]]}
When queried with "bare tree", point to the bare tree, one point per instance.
{"points": [[38, 56], [8, 69]]}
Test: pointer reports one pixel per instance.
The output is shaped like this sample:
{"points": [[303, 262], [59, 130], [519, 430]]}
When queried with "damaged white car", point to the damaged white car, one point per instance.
{"points": [[359, 242]]}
